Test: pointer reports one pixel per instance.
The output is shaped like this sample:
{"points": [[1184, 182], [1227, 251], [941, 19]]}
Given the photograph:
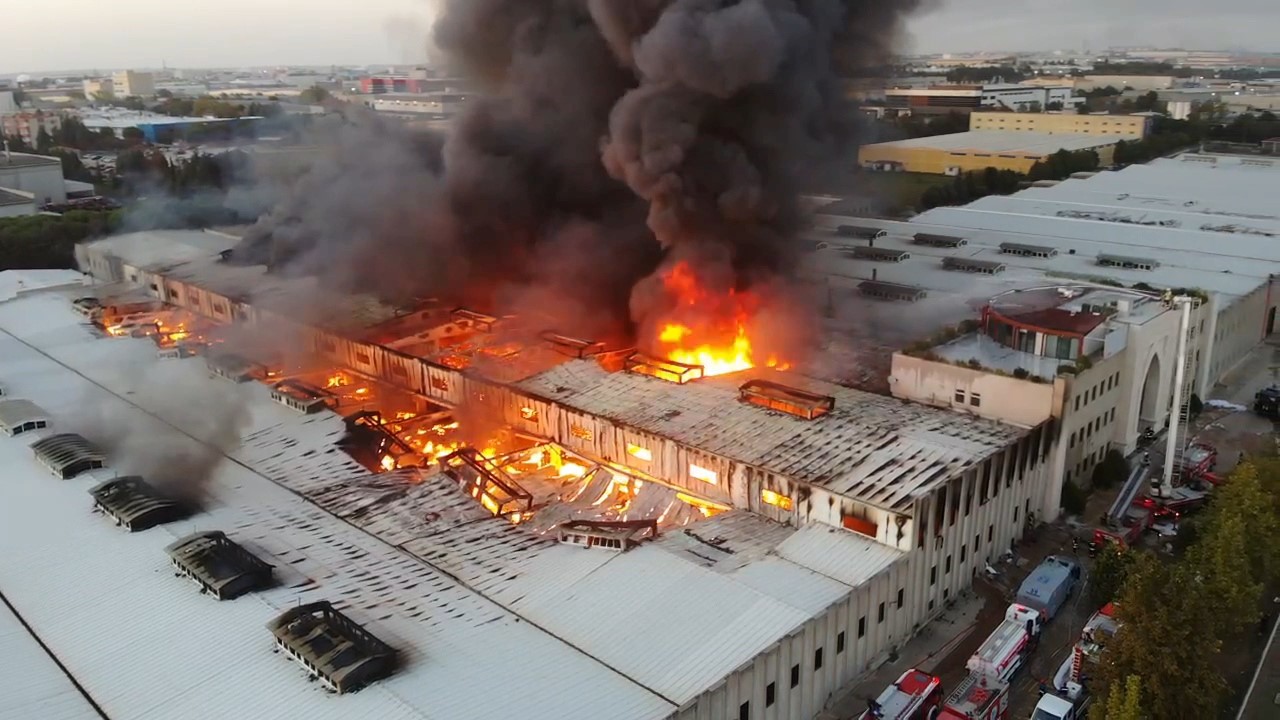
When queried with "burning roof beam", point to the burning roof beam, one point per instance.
{"points": [[474, 320], [669, 370], [782, 398], [304, 398], [495, 490]]}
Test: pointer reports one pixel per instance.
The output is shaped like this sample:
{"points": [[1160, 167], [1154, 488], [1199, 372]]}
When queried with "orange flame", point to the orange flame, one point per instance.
{"points": [[721, 343]]}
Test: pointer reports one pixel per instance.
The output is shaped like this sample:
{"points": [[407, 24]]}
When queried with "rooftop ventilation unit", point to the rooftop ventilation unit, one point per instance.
{"points": [[891, 291], [669, 370], [875, 254], [572, 347], [619, 536], [235, 368], [18, 416], [219, 565], [1022, 250], [475, 320], [67, 455], [1126, 262], [332, 646], [939, 241], [483, 480], [135, 505], [989, 267], [304, 398], [862, 232], [782, 398]]}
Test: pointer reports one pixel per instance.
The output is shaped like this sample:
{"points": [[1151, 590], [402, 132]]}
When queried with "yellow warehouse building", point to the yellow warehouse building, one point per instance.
{"points": [[979, 149], [1128, 127]]}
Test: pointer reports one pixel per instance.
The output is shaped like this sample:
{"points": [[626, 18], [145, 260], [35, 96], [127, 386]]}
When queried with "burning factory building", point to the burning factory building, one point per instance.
{"points": [[498, 451]]}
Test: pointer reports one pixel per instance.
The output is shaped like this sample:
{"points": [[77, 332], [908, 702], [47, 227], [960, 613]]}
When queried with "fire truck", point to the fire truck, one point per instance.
{"points": [[977, 697], [916, 695], [1005, 649]]}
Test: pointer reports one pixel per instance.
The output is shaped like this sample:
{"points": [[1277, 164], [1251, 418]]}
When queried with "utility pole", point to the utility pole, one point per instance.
{"points": [[1178, 414]]}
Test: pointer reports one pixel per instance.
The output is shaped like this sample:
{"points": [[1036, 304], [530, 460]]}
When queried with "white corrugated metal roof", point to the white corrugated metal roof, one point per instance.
{"points": [[15, 282], [34, 685], [873, 448], [93, 593], [471, 600]]}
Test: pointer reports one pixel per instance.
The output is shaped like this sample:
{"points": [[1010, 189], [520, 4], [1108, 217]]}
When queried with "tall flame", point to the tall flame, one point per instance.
{"points": [[721, 342]]}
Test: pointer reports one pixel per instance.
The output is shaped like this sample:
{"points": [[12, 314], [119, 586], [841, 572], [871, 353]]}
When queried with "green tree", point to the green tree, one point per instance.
{"points": [[314, 95], [1109, 574], [1147, 102], [1162, 639], [1112, 470], [1122, 703]]}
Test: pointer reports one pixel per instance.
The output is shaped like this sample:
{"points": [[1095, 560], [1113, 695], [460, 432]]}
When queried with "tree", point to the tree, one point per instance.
{"points": [[1112, 470], [164, 94], [1073, 498], [314, 95], [1109, 574], [1123, 704], [44, 141], [1146, 102]]}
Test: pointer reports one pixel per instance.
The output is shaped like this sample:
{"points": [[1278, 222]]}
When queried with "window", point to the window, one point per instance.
{"points": [[529, 413], [1113, 414], [772, 498], [933, 575], [1077, 402], [975, 399], [1015, 514], [880, 614], [770, 694], [900, 598], [580, 432], [700, 473], [960, 396], [990, 531], [640, 453], [948, 565], [862, 626], [964, 550], [839, 642], [744, 711], [440, 384], [1073, 441], [363, 358], [817, 659], [795, 675]]}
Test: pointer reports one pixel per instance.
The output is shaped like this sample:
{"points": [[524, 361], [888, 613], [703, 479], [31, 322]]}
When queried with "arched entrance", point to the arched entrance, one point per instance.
{"points": [[1149, 409]]}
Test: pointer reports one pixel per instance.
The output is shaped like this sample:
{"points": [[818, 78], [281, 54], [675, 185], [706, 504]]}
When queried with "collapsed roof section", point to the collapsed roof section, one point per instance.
{"points": [[619, 536], [332, 646], [19, 416], [135, 505], [219, 565], [67, 455]]}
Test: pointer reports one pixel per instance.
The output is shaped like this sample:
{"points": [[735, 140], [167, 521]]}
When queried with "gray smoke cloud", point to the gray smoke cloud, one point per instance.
{"points": [[610, 140], [213, 414]]}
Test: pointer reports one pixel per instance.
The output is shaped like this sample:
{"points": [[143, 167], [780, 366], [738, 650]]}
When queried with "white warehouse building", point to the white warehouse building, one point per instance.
{"points": [[1058, 294], [38, 175], [842, 521]]}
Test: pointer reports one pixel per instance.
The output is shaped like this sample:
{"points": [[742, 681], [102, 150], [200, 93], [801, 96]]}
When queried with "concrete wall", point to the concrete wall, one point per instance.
{"points": [[44, 181], [960, 532], [999, 397], [1124, 126]]}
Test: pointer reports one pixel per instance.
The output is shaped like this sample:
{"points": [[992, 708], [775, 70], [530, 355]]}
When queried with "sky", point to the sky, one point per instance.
{"points": [[56, 35]]}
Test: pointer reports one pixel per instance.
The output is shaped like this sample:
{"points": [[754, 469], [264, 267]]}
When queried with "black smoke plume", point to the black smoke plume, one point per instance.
{"points": [[610, 139]]}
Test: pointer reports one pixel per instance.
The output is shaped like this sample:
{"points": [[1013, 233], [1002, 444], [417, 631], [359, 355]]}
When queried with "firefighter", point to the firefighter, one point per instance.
{"points": [[1075, 546], [1093, 548], [1146, 457]]}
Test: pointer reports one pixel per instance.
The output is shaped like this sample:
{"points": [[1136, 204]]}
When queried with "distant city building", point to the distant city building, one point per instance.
{"points": [[417, 80], [128, 83], [942, 99], [8, 103], [977, 150], [101, 87], [1122, 126], [38, 175], [1143, 83], [27, 125], [439, 103], [185, 89], [158, 128]]}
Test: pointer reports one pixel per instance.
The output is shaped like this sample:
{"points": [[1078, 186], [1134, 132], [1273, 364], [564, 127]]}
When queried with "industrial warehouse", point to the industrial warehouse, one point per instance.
{"points": [[461, 519]]}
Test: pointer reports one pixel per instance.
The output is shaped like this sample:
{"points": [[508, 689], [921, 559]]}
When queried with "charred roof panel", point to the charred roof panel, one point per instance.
{"points": [[68, 454], [134, 504], [219, 564], [877, 254], [332, 646], [18, 416]]}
